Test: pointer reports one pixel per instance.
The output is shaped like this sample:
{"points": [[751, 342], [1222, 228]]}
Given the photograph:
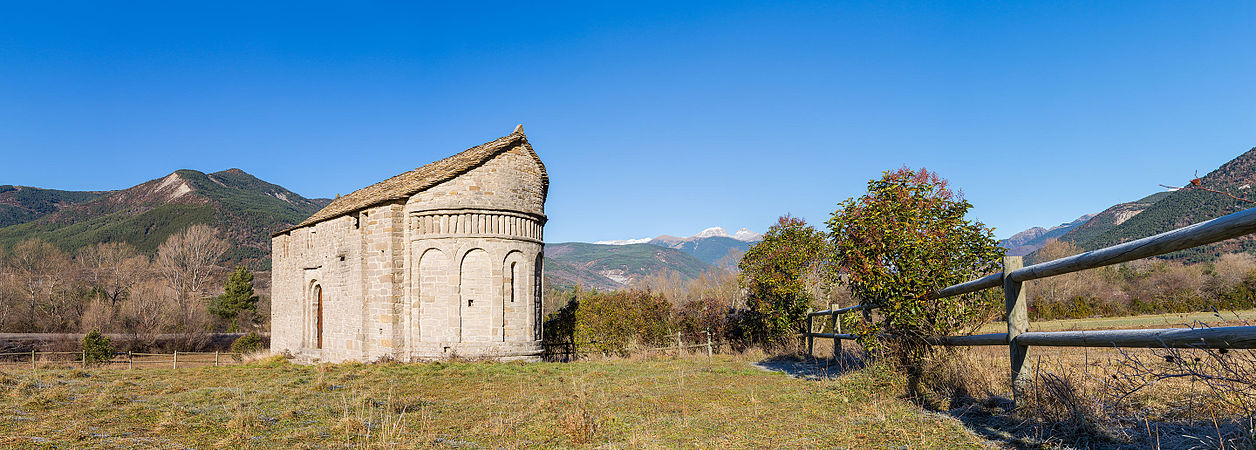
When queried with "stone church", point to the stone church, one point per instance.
{"points": [[439, 261]]}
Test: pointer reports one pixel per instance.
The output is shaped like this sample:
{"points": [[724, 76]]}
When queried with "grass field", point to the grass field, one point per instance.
{"points": [[724, 402], [1147, 321]]}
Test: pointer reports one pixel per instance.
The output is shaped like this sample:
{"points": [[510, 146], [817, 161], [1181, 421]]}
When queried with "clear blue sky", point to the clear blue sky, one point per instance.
{"points": [[652, 118]]}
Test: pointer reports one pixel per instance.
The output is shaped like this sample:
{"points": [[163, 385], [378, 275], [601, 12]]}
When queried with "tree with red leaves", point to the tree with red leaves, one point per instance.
{"points": [[903, 240]]}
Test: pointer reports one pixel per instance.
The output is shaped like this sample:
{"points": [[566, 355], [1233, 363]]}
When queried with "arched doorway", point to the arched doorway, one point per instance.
{"points": [[318, 316]]}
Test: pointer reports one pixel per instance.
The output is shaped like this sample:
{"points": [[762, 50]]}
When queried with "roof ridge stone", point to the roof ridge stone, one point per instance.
{"points": [[403, 185]]}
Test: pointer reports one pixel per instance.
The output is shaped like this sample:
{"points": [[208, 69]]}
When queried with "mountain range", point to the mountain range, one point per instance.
{"points": [[713, 245], [609, 265], [244, 208], [1026, 242], [1158, 213]]}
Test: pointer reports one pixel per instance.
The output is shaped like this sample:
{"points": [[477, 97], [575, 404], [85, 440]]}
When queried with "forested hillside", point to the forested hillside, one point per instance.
{"points": [[21, 204], [1111, 217], [1166, 211], [242, 207]]}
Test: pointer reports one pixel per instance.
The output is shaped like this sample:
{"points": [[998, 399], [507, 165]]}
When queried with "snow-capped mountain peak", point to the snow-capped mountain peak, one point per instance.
{"points": [[745, 235], [712, 232]]}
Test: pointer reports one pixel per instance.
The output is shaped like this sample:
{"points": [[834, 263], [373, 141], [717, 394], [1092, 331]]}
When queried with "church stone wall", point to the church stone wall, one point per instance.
{"points": [[493, 214], [450, 271]]}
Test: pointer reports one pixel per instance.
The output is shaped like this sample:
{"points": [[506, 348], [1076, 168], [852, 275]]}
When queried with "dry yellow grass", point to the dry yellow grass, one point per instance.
{"points": [[1077, 397], [1172, 320], [725, 402]]}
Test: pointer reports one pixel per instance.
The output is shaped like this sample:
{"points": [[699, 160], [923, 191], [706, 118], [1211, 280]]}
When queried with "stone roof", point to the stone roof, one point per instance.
{"points": [[403, 186]]}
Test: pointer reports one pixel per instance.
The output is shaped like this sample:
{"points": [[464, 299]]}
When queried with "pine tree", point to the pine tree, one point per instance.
{"points": [[238, 297], [97, 350]]}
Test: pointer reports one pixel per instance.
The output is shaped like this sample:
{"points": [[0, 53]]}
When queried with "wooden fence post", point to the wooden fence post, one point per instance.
{"points": [[32, 359], [835, 328], [130, 361], [1017, 323], [176, 359], [215, 358], [84, 358], [677, 344], [708, 333], [810, 340]]}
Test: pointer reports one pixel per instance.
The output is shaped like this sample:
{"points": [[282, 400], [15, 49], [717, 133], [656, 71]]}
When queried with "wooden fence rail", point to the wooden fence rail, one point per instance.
{"points": [[31, 358], [1018, 337]]}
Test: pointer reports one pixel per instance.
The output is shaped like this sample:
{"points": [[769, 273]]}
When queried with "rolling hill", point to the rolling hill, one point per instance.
{"points": [[245, 209], [21, 204]]}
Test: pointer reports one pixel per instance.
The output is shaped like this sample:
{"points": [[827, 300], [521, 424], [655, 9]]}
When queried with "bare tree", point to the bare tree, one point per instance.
{"points": [[1229, 271], [149, 311], [112, 268], [186, 261], [42, 271], [8, 291]]}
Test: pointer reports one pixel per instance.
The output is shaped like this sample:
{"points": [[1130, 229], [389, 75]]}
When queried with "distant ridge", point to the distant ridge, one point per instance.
{"points": [[244, 208], [1111, 218], [713, 245], [1158, 213], [1169, 210], [1026, 242], [611, 267], [21, 204]]}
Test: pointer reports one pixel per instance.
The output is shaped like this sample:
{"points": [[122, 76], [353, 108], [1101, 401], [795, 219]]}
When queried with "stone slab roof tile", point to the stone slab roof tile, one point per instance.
{"points": [[403, 186]]}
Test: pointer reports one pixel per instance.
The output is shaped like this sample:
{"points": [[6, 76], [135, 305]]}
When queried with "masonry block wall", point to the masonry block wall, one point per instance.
{"points": [[442, 261]]}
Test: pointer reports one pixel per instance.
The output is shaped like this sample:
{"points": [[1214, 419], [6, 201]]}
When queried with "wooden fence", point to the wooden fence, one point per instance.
{"points": [[131, 360], [1018, 337]]}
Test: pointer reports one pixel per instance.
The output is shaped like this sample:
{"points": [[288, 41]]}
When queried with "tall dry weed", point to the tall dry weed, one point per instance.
{"points": [[955, 378], [365, 421], [579, 423], [1067, 401]]}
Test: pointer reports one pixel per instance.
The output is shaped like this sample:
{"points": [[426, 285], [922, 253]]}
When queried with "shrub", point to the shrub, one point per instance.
{"points": [[248, 343], [900, 242], [698, 317], [775, 273], [560, 325], [615, 322], [1240, 296], [97, 349], [558, 340]]}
